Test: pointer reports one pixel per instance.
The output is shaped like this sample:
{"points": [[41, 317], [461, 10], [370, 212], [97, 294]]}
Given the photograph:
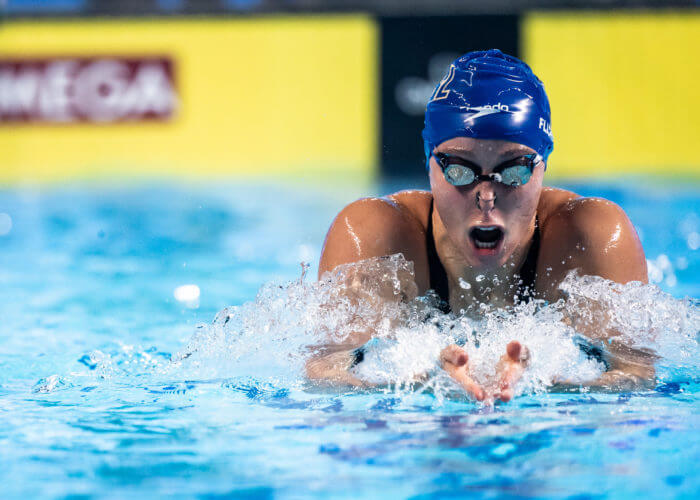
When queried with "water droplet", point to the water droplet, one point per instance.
{"points": [[480, 278], [188, 294], [463, 284]]}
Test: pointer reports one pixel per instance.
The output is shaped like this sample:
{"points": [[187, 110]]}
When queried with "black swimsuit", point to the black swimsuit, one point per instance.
{"points": [[438, 276]]}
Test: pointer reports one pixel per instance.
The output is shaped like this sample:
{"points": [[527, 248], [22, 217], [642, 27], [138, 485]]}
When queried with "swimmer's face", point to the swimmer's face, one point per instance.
{"points": [[488, 222]]}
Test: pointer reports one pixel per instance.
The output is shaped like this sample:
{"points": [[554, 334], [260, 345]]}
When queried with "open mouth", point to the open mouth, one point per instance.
{"points": [[486, 237]]}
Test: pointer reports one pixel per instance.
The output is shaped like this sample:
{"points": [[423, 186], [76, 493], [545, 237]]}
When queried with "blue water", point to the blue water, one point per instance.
{"points": [[88, 313]]}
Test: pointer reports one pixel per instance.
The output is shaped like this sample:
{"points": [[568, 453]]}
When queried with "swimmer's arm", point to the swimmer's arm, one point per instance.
{"points": [[332, 367], [375, 227], [623, 375], [596, 237], [621, 380], [366, 228]]}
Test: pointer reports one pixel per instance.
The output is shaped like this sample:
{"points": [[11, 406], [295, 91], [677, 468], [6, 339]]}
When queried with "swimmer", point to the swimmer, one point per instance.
{"points": [[487, 141]]}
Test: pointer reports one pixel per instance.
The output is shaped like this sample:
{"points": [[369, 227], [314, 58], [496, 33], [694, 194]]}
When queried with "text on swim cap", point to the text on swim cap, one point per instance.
{"points": [[546, 127], [441, 91], [498, 106]]}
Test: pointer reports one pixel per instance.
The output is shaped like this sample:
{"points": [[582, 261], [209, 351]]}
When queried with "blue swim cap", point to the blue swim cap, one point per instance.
{"points": [[489, 95]]}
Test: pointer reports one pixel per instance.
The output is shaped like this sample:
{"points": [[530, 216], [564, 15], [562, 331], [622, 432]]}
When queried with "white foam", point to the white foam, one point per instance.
{"points": [[271, 338]]}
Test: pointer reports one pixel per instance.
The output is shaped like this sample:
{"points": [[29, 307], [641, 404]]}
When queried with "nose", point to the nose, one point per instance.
{"points": [[485, 197]]}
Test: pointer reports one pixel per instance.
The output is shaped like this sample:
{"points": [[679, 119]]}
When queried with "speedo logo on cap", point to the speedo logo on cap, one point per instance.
{"points": [[498, 106], [488, 109]]}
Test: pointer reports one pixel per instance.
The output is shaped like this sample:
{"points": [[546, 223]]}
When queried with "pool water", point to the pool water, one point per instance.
{"points": [[104, 290]]}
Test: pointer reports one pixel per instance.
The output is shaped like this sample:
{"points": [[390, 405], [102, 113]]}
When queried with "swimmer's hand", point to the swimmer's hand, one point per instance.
{"points": [[509, 369], [455, 362]]}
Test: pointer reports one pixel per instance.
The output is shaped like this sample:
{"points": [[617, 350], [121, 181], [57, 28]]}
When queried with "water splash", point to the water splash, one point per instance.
{"points": [[271, 338], [641, 316]]}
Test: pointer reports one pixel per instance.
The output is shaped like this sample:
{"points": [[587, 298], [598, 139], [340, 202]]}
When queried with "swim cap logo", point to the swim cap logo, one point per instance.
{"points": [[498, 106], [442, 92], [488, 109], [546, 127]]}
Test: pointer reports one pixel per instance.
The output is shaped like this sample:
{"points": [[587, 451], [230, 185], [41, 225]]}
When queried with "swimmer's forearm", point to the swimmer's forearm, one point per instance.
{"points": [[628, 368], [620, 380], [616, 380], [627, 376], [334, 369]]}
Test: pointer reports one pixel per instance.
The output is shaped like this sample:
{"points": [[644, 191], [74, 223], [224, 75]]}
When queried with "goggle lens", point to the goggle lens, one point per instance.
{"points": [[459, 175], [516, 175]]}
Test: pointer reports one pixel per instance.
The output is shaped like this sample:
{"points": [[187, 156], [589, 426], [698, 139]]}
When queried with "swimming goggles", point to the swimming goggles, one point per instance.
{"points": [[461, 172]]}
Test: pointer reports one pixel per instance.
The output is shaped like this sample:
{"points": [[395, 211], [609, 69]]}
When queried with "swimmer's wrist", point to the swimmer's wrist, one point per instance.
{"points": [[357, 356]]}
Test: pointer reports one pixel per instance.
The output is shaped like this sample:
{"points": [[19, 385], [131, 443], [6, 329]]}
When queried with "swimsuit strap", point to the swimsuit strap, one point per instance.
{"points": [[438, 276], [528, 273]]}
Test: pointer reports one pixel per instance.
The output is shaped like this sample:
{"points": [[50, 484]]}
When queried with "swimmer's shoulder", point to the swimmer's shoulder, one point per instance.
{"points": [[590, 234], [378, 226], [565, 214], [552, 200], [414, 203]]}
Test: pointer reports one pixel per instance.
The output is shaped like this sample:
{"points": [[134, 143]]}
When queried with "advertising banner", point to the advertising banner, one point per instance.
{"points": [[274, 97], [622, 88], [86, 89]]}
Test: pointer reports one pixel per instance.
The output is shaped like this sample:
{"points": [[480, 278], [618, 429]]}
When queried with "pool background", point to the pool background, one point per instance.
{"points": [[334, 94], [248, 107], [86, 270]]}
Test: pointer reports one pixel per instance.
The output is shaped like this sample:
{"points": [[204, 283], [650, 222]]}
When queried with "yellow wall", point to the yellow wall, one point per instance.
{"points": [[260, 96], [623, 89]]}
